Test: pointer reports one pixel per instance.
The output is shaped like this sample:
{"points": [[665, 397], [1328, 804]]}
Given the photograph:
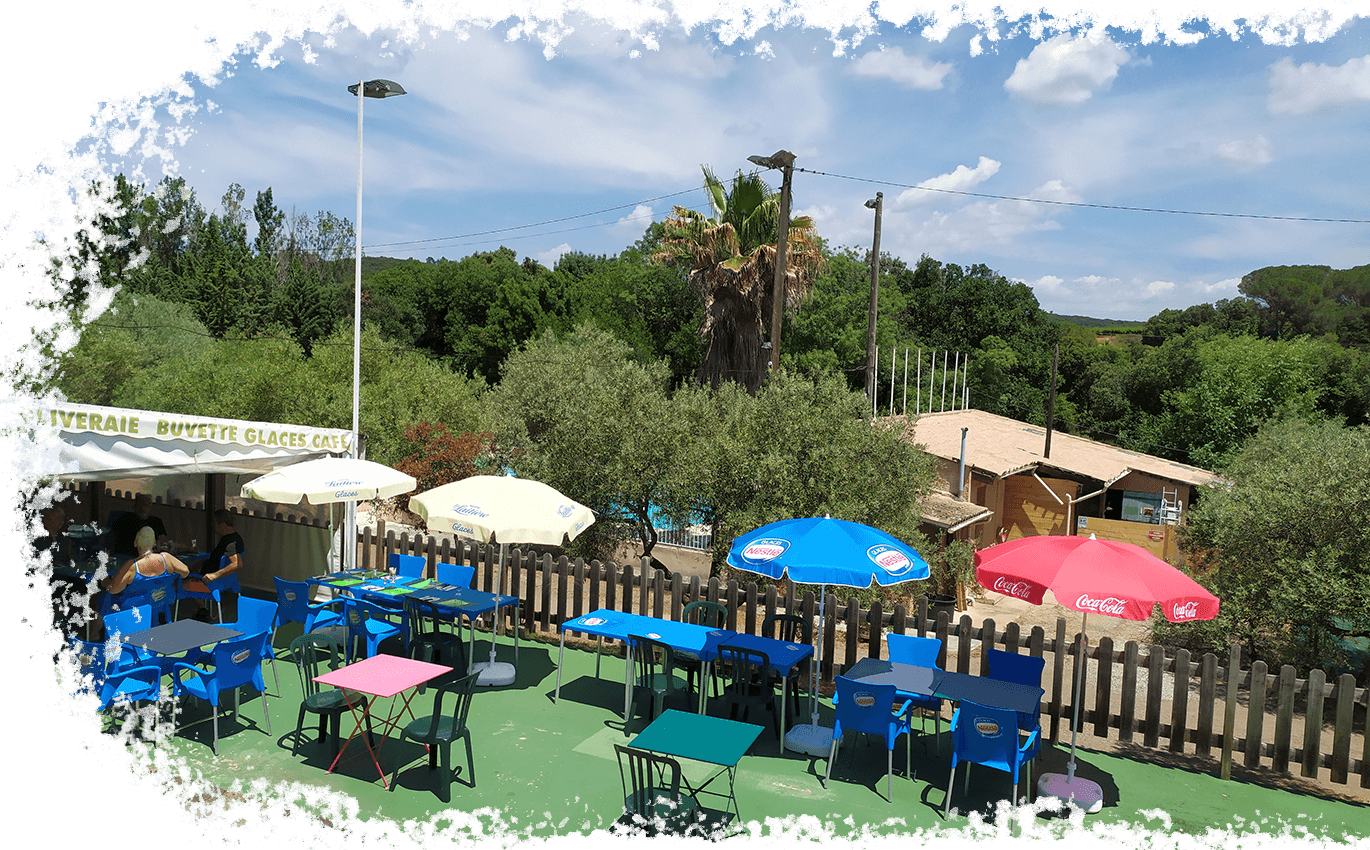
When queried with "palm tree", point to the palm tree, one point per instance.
{"points": [[733, 270]]}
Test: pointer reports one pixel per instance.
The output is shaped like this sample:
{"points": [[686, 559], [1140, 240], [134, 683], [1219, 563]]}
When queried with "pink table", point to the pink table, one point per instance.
{"points": [[380, 676]]}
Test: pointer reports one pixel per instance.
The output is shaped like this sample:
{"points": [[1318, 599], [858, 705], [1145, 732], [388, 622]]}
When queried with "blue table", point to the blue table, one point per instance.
{"points": [[713, 740], [470, 603], [701, 640], [912, 680]]}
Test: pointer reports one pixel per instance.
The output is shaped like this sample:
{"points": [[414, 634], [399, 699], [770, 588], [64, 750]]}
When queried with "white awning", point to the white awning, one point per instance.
{"points": [[103, 443]]}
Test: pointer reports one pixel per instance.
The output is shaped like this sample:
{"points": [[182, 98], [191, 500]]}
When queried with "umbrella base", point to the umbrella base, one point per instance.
{"points": [[493, 673], [810, 739], [1083, 793]]}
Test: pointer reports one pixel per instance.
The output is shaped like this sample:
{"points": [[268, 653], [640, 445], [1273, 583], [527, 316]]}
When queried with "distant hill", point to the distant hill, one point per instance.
{"points": [[1117, 325]]}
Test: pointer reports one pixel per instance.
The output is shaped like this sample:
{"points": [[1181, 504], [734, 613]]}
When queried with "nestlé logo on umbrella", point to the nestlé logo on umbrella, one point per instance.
{"points": [[890, 559], [765, 549]]}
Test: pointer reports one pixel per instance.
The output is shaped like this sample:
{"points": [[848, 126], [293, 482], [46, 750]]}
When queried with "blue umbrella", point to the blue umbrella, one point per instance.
{"points": [[824, 551]]}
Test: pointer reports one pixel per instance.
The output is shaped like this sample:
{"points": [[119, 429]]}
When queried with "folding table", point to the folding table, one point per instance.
{"points": [[380, 676], [621, 625], [912, 680], [713, 740]]}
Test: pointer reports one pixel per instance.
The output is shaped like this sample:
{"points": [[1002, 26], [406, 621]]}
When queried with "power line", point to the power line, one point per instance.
{"points": [[1084, 205]]}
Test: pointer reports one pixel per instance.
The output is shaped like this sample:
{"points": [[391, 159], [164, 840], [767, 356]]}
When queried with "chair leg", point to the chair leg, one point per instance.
{"points": [[445, 773], [470, 760], [832, 755], [951, 783], [889, 775], [215, 710], [299, 731], [266, 712]]}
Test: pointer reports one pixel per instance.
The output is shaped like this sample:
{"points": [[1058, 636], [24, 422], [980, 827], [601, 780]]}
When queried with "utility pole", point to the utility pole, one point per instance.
{"points": [[878, 205], [784, 160], [1051, 404]]}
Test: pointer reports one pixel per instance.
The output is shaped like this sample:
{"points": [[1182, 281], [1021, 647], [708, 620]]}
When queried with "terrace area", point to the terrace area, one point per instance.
{"points": [[545, 769]]}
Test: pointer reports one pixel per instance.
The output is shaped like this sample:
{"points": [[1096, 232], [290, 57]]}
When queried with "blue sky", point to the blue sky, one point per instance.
{"points": [[509, 126]]}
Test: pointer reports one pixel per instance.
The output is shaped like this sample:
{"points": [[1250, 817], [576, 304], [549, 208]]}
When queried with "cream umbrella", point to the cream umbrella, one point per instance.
{"points": [[503, 510]]}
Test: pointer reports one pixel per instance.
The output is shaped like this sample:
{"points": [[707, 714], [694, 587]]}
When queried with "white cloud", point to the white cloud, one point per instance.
{"points": [[1310, 87], [961, 180], [1066, 70], [1159, 287], [1049, 283], [549, 258], [914, 72], [764, 49], [1226, 287], [634, 223], [1246, 152]]}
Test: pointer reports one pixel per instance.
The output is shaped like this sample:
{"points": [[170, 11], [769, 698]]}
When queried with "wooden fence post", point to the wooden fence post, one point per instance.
{"points": [[1103, 686], [1179, 705], [1234, 660], [1312, 723], [1255, 714]]}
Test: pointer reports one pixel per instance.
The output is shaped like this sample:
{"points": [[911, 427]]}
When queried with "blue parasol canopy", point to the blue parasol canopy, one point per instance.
{"points": [[822, 550]]}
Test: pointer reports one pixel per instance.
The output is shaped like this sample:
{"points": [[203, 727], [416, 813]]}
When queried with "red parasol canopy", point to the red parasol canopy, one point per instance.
{"points": [[1093, 576]]}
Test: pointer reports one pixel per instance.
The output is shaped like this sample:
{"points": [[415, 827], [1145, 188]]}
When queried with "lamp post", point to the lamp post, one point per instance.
{"points": [[784, 160], [371, 88], [876, 204]]}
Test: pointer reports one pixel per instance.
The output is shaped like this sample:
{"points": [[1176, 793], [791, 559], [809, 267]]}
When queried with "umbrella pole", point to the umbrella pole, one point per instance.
{"points": [[499, 585], [1079, 680], [493, 673]]}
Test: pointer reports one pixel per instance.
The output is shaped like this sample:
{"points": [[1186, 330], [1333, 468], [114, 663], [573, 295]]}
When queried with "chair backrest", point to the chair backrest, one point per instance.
{"points": [[228, 582], [126, 621], [460, 575], [90, 659], [1012, 667], [238, 661], [464, 690], [309, 652], [292, 600], [702, 613], [409, 566], [649, 778], [256, 615], [357, 611], [791, 628], [748, 670], [652, 657], [424, 618], [863, 707], [136, 683], [910, 649], [982, 734], [157, 592]]}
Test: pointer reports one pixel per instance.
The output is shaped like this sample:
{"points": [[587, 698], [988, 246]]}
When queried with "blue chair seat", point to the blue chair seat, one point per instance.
{"points": [[989, 736]]}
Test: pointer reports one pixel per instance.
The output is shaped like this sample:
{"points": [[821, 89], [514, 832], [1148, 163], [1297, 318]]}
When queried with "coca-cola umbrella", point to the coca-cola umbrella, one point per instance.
{"points": [[1089, 575], [824, 551]]}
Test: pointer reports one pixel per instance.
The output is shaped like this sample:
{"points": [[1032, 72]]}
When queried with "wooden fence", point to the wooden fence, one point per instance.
{"points": [[1200, 718]]}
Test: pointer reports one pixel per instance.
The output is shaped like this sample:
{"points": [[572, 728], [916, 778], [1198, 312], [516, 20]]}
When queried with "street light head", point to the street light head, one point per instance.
{"points": [[779, 159], [870, 205], [379, 88]]}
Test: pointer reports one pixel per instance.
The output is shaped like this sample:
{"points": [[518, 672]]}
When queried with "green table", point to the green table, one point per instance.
{"points": [[713, 740]]}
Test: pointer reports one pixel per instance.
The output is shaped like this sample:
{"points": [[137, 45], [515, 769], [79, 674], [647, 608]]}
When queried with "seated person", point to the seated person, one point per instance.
{"points": [[146, 564], [126, 527], [54, 538], [230, 545]]}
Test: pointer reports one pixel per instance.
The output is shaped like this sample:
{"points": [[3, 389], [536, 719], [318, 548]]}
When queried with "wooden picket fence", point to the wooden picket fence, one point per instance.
{"points": [[1200, 719]]}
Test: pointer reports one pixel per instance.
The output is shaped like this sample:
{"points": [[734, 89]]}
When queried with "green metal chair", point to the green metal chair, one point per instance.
{"points": [[437, 731], [656, 678], [309, 652], [701, 613], [652, 800]]}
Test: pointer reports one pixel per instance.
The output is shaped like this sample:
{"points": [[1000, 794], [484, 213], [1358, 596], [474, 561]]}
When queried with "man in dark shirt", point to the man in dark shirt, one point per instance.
{"points": [[126, 527], [205, 573]]}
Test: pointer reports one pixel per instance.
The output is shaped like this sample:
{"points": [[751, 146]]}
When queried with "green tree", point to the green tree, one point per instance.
{"points": [[732, 267], [1283, 542], [302, 306]]}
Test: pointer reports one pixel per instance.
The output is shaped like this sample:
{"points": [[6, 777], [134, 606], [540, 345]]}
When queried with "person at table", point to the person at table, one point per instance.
{"points": [[127, 526], [211, 569], [144, 565], [54, 538]]}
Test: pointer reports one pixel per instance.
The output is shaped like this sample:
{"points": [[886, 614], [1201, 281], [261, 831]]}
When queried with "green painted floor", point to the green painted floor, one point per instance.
{"points": [[551, 768]]}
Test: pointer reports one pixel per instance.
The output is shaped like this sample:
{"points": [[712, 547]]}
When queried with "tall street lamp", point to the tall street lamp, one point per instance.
{"points": [[371, 88], [875, 204], [784, 160]]}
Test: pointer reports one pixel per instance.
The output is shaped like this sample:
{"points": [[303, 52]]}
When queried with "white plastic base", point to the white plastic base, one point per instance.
{"points": [[1084, 793], [493, 674], [810, 740]]}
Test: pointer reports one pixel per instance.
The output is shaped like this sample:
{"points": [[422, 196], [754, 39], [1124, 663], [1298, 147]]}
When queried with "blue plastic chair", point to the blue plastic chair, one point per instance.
{"points": [[127, 622], [367, 621], [409, 566], [989, 736], [254, 615], [217, 589], [293, 606], [459, 575], [158, 593], [133, 684], [921, 652], [866, 708], [237, 662], [1020, 669]]}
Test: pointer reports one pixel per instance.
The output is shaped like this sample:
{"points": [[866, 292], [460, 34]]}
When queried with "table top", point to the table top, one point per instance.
{"points": [[781, 654], [715, 740], [179, 636], [929, 681], [382, 675], [621, 625], [463, 600]]}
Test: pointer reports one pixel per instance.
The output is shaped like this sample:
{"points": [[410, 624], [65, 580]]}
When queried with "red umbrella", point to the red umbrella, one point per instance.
{"points": [[1089, 575]]}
